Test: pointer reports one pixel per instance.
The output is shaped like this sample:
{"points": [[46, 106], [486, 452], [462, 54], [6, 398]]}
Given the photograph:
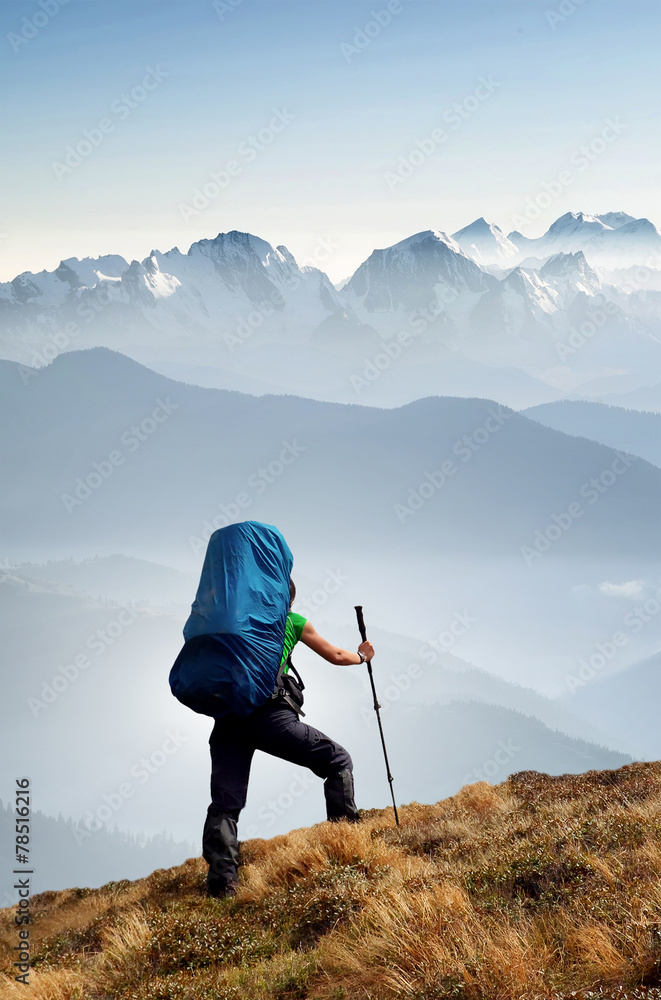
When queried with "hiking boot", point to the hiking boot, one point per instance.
{"points": [[340, 803], [220, 887]]}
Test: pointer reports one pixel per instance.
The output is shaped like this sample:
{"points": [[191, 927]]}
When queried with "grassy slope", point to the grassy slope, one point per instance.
{"points": [[539, 887]]}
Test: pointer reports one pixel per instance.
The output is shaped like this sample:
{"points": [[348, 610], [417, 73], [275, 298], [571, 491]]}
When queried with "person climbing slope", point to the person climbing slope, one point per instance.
{"points": [[241, 616]]}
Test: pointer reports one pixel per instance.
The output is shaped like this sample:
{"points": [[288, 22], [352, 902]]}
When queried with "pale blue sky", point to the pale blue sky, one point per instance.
{"points": [[219, 79]]}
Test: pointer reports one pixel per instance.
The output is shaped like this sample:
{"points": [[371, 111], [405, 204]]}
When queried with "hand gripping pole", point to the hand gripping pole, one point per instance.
{"points": [[363, 635]]}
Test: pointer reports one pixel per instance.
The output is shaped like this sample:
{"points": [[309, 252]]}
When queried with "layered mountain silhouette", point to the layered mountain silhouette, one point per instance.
{"points": [[94, 676], [518, 319], [147, 403], [611, 240], [443, 505], [424, 513], [443, 474], [625, 702], [67, 857], [628, 430]]}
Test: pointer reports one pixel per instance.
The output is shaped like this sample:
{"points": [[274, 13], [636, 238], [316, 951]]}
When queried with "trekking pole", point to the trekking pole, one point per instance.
{"points": [[363, 635]]}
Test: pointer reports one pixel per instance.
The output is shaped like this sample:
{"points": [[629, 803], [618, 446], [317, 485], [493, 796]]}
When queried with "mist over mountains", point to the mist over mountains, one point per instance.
{"points": [[625, 703], [123, 753], [524, 321], [68, 858], [470, 476], [496, 553], [445, 505], [626, 429]]}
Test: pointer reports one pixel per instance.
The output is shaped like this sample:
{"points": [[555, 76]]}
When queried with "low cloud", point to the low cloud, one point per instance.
{"points": [[632, 588]]}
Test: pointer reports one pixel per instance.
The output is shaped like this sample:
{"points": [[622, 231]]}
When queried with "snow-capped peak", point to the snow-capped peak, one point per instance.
{"points": [[565, 263], [90, 270], [635, 226], [485, 243], [286, 256], [616, 219], [622, 243], [572, 267], [246, 261], [428, 235], [407, 274], [572, 222], [232, 244], [480, 225]]}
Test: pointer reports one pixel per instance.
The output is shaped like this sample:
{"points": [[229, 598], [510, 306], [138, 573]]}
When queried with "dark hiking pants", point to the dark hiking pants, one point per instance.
{"points": [[277, 730]]}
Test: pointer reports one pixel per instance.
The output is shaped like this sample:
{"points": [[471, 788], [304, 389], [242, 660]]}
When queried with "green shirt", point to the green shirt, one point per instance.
{"points": [[293, 630]]}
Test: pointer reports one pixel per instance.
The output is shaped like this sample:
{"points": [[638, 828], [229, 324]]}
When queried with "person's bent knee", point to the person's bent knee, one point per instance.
{"points": [[341, 762]]}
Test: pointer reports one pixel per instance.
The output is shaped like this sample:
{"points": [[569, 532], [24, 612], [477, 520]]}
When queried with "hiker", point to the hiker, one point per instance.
{"points": [[236, 666], [274, 728]]}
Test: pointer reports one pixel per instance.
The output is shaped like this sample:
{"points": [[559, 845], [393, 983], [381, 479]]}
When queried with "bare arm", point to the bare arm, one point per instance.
{"points": [[334, 654]]}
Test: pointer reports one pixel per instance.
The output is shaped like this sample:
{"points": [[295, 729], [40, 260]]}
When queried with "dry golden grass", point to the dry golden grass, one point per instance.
{"points": [[538, 888]]}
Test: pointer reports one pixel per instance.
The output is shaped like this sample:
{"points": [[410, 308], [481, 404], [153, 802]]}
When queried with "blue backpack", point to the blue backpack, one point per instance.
{"points": [[235, 634]]}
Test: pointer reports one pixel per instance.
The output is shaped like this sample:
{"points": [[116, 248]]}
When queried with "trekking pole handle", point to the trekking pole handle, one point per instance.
{"points": [[361, 622], [363, 636]]}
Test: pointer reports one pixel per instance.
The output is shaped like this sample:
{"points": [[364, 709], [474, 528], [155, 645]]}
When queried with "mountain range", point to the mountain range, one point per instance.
{"points": [[87, 682], [618, 427], [185, 453], [521, 320], [423, 513], [625, 703], [614, 240], [426, 509], [109, 854], [495, 552]]}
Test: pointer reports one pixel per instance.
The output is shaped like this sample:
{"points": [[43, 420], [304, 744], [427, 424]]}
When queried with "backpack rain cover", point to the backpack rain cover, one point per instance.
{"points": [[236, 629]]}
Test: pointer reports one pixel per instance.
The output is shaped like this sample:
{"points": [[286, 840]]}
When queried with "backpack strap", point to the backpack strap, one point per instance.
{"points": [[294, 671], [278, 680], [280, 692]]}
